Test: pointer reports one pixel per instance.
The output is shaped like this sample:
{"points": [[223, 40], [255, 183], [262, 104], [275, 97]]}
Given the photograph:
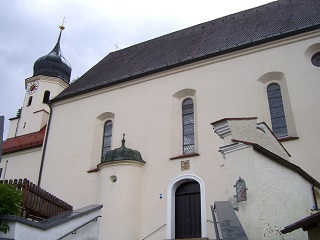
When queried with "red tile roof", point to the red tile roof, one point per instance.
{"points": [[24, 142]]}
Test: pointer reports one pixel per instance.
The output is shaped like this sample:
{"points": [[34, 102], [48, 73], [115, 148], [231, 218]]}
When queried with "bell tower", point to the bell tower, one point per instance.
{"points": [[51, 75]]}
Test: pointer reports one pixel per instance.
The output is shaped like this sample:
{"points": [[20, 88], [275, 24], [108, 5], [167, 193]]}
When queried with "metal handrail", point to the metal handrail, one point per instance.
{"points": [[215, 223], [154, 232], [77, 228]]}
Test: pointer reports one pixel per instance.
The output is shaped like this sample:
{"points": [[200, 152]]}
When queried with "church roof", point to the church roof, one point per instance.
{"points": [[24, 142], [53, 64], [266, 23]]}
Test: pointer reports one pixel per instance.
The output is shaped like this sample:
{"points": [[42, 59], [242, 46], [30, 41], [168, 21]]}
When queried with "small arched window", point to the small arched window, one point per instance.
{"points": [[241, 190], [46, 97], [188, 126], [107, 135], [278, 118], [29, 101]]}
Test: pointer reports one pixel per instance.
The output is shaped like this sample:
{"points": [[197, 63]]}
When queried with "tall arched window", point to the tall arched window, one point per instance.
{"points": [[278, 118], [46, 97], [107, 135], [188, 126], [29, 101]]}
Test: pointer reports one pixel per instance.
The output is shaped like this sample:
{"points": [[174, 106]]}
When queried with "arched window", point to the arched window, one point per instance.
{"points": [[241, 190], [107, 135], [46, 97], [278, 118], [29, 101], [188, 126]]}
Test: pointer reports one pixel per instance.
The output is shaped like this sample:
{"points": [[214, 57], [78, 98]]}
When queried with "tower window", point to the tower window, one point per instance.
{"points": [[46, 97], [29, 101], [278, 118], [107, 135], [188, 126]]}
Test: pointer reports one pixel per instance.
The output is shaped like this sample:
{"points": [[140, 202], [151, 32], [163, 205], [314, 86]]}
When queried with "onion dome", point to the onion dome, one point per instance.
{"points": [[122, 153], [53, 64]]}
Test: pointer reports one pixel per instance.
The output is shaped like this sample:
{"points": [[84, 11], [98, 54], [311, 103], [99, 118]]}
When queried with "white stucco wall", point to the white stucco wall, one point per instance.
{"points": [[276, 195], [225, 86], [124, 196], [23, 164], [286, 187], [20, 231]]}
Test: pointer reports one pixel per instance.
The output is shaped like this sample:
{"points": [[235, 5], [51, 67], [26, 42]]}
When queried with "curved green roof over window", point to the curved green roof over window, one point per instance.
{"points": [[122, 153]]}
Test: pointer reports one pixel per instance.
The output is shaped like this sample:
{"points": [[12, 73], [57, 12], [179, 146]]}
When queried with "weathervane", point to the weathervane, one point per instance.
{"points": [[63, 22]]}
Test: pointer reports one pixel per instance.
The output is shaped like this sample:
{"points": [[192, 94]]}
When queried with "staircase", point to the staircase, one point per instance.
{"points": [[193, 239], [227, 224]]}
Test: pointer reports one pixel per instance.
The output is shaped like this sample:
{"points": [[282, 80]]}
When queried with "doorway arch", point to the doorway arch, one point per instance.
{"points": [[171, 201]]}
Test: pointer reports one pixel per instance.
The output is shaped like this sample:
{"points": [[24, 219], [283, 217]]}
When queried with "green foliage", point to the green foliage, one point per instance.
{"points": [[10, 201], [19, 112]]}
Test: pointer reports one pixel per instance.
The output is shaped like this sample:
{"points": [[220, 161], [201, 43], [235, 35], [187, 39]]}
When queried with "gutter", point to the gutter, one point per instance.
{"points": [[45, 145]]}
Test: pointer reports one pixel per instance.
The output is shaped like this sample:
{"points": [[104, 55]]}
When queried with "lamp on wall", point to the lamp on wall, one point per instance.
{"points": [[241, 190]]}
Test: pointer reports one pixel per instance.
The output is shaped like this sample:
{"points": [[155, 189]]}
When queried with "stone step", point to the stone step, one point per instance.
{"points": [[192, 239]]}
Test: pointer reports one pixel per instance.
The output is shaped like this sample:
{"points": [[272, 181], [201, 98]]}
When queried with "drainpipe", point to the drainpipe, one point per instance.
{"points": [[5, 170], [314, 198], [44, 146], [1, 134]]}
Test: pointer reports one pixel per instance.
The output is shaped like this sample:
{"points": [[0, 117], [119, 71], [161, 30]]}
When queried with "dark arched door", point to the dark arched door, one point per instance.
{"points": [[188, 210]]}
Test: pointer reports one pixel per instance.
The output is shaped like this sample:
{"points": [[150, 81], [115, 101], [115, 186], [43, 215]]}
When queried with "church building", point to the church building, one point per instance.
{"points": [[164, 132]]}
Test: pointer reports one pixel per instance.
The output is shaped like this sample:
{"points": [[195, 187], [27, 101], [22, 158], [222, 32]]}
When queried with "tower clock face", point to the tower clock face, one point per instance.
{"points": [[32, 87]]}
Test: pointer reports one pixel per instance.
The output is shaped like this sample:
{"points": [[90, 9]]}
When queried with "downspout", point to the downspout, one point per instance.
{"points": [[45, 145], [15, 134], [1, 134], [314, 198], [5, 170]]}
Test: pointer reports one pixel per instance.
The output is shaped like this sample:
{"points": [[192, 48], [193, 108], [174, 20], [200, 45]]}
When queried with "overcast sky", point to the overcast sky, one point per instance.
{"points": [[30, 28]]}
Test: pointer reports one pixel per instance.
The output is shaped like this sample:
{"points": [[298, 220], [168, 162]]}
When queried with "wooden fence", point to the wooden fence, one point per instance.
{"points": [[37, 204]]}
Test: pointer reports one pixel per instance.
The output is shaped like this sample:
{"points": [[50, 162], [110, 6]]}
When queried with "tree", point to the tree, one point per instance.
{"points": [[10, 202]]}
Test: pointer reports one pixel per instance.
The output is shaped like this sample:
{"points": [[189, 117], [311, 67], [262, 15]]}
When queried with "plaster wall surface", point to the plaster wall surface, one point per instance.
{"points": [[123, 198], [225, 86], [276, 195], [12, 128], [248, 131], [288, 189], [24, 164], [90, 231]]}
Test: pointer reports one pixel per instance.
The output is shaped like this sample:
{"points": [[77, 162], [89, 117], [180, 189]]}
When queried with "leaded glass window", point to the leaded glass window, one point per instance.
{"points": [[278, 118], [107, 135], [188, 126], [241, 190]]}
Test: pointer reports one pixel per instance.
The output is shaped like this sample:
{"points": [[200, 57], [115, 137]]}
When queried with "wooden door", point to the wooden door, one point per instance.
{"points": [[188, 210]]}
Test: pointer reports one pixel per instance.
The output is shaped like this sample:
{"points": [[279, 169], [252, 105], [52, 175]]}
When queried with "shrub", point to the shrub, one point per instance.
{"points": [[10, 202]]}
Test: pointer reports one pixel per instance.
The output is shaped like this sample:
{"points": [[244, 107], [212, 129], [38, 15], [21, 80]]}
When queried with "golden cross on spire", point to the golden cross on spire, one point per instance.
{"points": [[63, 22]]}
